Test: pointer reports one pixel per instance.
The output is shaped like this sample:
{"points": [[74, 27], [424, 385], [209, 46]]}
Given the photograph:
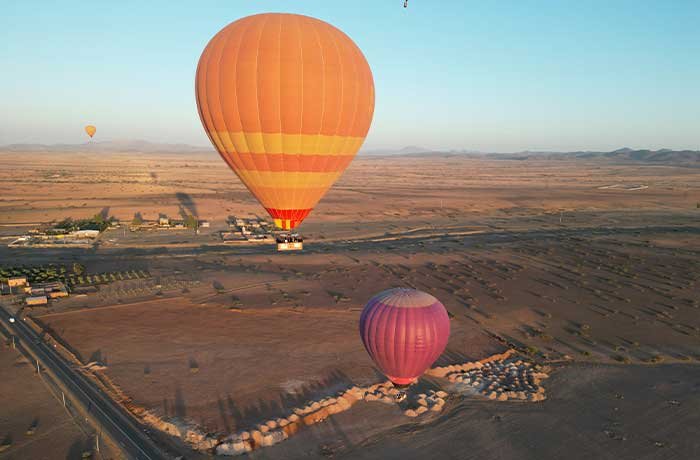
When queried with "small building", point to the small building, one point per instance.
{"points": [[57, 294], [36, 300], [17, 281], [163, 221], [53, 289], [204, 223], [86, 233], [35, 291]]}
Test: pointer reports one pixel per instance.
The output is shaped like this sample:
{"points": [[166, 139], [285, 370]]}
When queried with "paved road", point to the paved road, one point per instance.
{"points": [[111, 417]]}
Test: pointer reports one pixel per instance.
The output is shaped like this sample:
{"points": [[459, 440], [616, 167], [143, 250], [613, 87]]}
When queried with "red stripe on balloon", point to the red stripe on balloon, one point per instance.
{"points": [[291, 163]]}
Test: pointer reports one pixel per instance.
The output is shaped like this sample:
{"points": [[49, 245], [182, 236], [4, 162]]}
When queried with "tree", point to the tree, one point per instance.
{"points": [[191, 222], [78, 269], [138, 220]]}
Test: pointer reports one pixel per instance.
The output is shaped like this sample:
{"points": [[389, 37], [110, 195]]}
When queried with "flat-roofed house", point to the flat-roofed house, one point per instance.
{"points": [[36, 300], [17, 281], [86, 233]]}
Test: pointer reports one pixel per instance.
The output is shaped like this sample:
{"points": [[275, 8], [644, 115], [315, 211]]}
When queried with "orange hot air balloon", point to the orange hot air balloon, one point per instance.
{"points": [[90, 130], [287, 100]]}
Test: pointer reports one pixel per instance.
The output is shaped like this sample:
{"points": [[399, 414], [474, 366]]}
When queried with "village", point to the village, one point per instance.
{"points": [[247, 230], [85, 232], [66, 233], [166, 223], [34, 293]]}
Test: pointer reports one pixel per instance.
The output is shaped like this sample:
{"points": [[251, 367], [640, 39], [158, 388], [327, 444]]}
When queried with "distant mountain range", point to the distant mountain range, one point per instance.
{"points": [[624, 154], [410, 150], [108, 147]]}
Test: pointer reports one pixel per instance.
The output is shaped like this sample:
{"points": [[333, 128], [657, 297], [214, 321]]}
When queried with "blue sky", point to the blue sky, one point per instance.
{"points": [[490, 76]]}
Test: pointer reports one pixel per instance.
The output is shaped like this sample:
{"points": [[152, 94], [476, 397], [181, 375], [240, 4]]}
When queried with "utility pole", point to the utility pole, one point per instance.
{"points": [[13, 341], [38, 370], [63, 396]]}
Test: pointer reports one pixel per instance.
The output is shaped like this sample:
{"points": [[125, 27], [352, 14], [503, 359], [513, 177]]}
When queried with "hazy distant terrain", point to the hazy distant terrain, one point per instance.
{"points": [[135, 146], [125, 146], [620, 155]]}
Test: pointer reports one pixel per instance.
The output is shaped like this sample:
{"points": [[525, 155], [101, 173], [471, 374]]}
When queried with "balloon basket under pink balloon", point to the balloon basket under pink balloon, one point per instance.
{"points": [[402, 382]]}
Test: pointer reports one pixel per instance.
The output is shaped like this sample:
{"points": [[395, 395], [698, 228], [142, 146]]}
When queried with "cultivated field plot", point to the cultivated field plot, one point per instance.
{"points": [[225, 368]]}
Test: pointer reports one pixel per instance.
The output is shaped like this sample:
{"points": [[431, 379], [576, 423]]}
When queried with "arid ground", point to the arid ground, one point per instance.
{"points": [[32, 419], [545, 257]]}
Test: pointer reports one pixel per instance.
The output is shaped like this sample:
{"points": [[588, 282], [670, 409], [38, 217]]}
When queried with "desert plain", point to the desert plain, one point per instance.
{"points": [[588, 267]]}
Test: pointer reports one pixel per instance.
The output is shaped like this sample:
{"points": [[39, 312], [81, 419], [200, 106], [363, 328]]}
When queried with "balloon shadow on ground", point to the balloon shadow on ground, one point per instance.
{"points": [[104, 213], [187, 204]]}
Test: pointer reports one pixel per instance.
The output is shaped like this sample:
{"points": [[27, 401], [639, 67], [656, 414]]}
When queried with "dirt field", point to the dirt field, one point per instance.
{"points": [[27, 403], [539, 256], [376, 194], [225, 369], [592, 412]]}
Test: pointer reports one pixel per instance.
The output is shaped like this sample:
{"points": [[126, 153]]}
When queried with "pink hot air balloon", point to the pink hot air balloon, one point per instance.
{"points": [[404, 332]]}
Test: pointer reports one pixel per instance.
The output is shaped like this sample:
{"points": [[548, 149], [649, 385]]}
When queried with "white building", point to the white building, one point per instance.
{"points": [[86, 233]]}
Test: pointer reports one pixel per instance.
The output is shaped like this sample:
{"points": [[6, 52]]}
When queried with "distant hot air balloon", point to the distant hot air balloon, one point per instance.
{"points": [[287, 100], [404, 332], [90, 130]]}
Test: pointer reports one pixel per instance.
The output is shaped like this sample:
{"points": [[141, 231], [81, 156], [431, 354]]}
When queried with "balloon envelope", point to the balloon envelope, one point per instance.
{"points": [[90, 130], [404, 331], [287, 101]]}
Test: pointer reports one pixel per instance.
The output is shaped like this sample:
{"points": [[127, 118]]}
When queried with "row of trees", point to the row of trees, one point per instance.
{"points": [[96, 222]]}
